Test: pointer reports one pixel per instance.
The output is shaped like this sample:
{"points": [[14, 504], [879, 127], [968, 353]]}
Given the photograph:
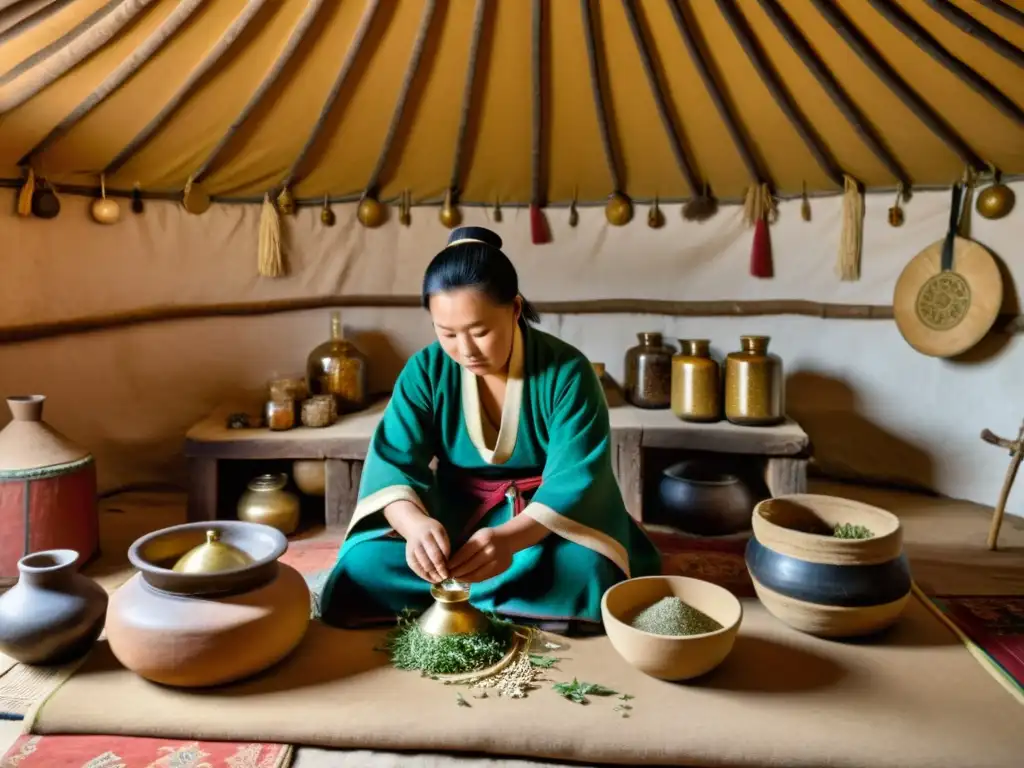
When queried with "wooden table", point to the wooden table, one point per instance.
{"points": [[342, 446]]}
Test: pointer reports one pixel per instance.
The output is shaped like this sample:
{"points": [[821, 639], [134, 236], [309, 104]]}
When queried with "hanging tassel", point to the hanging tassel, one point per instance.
{"points": [[758, 208], [271, 261], [25, 195], [850, 240], [540, 233]]}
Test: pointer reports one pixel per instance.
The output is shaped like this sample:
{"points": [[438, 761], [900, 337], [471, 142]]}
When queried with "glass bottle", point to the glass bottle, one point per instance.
{"points": [[337, 367], [649, 372]]}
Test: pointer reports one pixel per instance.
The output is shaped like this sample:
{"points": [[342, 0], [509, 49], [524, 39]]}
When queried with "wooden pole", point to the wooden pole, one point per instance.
{"points": [[1016, 449]]}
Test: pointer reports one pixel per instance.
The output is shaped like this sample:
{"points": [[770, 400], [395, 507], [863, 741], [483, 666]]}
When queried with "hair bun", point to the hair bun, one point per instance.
{"points": [[482, 234]]}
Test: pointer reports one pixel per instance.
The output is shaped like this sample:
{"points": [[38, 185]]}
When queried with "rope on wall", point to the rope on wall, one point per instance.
{"points": [[906, 24], [295, 39]]}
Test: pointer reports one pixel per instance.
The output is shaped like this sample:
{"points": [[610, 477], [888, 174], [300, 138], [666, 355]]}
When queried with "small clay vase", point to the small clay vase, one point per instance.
{"points": [[53, 614], [266, 502]]}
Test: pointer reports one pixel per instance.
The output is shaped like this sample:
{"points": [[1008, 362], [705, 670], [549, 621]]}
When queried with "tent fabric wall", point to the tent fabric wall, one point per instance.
{"points": [[872, 404]]}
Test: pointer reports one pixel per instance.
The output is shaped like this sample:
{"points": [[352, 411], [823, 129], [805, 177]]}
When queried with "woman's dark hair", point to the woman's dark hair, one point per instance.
{"points": [[474, 259]]}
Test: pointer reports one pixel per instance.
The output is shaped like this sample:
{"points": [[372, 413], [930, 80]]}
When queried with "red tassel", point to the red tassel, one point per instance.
{"points": [[539, 231], [761, 252]]}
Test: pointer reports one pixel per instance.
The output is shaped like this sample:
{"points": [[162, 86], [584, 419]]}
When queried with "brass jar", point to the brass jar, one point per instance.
{"points": [[649, 372], [337, 367], [267, 502], [696, 382], [754, 387]]}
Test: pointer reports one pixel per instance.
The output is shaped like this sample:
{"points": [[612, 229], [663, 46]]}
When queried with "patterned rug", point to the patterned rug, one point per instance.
{"points": [[995, 625], [124, 752]]}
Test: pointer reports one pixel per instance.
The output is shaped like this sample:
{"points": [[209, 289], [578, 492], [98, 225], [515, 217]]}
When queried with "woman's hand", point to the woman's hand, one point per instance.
{"points": [[485, 554], [426, 541]]}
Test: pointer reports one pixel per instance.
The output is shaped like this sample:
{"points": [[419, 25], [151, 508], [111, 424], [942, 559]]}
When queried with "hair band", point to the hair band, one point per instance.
{"points": [[462, 240]]}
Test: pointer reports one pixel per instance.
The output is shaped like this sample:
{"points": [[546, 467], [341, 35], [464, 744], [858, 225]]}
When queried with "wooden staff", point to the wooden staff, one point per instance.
{"points": [[1016, 449]]}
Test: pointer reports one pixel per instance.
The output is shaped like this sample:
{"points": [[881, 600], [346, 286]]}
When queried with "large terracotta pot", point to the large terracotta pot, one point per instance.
{"points": [[53, 614], [200, 629], [820, 584], [47, 490]]}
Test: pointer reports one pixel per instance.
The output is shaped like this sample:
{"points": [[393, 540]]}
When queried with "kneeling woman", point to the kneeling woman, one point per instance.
{"points": [[523, 503]]}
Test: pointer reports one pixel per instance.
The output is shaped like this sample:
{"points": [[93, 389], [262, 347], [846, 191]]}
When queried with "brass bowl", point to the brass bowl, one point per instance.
{"points": [[452, 613], [156, 553]]}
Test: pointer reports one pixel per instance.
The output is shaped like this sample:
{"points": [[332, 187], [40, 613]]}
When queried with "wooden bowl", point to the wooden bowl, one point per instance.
{"points": [[670, 657], [156, 553], [820, 584]]}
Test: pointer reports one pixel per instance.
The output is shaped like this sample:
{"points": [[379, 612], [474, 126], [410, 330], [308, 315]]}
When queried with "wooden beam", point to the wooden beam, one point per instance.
{"points": [[969, 25], [1007, 324]]}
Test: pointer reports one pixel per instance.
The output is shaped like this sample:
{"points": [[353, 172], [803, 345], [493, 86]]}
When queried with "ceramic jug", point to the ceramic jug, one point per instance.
{"points": [[53, 614]]}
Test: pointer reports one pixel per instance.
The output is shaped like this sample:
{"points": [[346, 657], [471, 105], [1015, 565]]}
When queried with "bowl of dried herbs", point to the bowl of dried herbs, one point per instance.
{"points": [[828, 566], [671, 627]]}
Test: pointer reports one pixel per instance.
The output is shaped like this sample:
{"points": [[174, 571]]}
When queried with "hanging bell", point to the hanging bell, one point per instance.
{"points": [[285, 202], [450, 216], [497, 211], [212, 556], [405, 209], [327, 217], [618, 210], [655, 218]]}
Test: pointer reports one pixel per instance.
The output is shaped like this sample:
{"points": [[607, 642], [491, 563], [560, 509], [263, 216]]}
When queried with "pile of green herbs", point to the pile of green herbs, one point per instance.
{"points": [[411, 648], [671, 616], [851, 531]]}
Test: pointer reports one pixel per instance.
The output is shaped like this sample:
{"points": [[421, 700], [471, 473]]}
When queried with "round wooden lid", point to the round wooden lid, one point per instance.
{"points": [[943, 314]]}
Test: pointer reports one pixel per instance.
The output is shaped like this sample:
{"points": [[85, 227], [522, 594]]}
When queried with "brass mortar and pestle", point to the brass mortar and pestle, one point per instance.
{"points": [[452, 613]]}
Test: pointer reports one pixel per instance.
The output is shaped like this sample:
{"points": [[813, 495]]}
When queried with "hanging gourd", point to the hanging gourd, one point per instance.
{"points": [[497, 211], [405, 209], [137, 206], [45, 203], [805, 204], [326, 214], [896, 217], [618, 210], [285, 202], [371, 213], [105, 210], [655, 218], [449, 215], [574, 215], [996, 200]]}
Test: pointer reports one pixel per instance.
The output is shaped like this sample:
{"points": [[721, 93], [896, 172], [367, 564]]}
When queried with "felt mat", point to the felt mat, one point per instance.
{"points": [[993, 624], [909, 698]]}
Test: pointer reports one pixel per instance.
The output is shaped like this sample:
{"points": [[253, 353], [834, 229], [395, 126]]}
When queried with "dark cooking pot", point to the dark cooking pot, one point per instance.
{"points": [[699, 497]]}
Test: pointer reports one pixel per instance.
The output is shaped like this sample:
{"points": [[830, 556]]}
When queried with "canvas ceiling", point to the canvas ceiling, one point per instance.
{"points": [[231, 92]]}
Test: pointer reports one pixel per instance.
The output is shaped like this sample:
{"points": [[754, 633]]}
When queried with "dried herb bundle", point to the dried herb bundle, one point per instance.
{"points": [[851, 531], [412, 648]]}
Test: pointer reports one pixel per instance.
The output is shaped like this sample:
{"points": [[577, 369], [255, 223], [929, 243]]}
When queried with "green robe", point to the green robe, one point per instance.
{"points": [[554, 424]]}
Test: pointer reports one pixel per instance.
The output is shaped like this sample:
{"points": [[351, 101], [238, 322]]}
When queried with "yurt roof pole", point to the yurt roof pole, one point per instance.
{"points": [[772, 81], [412, 69], [479, 17], [215, 54], [696, 48], [160, 36], [906, 24], [674, 134], [68, 37], [15, 21], [867, 53], [860, 123], [971, 26], [596, 75], [539, 230], [1004, 10], [276, 69], [89, 40], [369, 12]]}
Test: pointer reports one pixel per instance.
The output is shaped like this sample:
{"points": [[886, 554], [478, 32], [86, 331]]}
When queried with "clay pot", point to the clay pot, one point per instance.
{"points": [[47, 489], [193, 642], [660, 656], [156, 553], [266, 502], [824, 585], [699, 498], [53, 614], [310, 476]]}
